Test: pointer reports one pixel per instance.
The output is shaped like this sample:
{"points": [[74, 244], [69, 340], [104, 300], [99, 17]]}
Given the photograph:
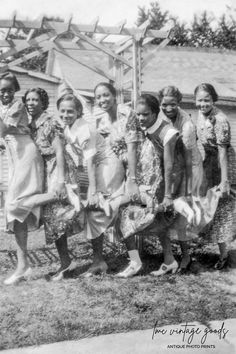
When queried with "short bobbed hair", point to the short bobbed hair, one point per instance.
{"points": [[170, 91], [109, 86], [150, 101], [12, 78], [42, 95], [72, 98], [207, 88]]}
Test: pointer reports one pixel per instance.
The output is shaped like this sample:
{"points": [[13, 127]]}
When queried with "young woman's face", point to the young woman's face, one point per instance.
{"points": [[145, 116], [169, 106], [104, 98], [34, 104], [7, 91], [68, 113], [204, 102]]}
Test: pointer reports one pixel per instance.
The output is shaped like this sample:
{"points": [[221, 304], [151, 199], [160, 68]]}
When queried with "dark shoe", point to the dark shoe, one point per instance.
{"points": [[185, 269], [221, 264], [63, 272]]}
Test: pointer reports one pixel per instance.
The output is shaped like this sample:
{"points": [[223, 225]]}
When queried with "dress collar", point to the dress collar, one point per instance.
{"points": [[156, 125], [41, 120]]}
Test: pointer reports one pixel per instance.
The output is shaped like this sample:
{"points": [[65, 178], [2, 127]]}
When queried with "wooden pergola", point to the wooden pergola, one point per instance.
{"points": [[124, 49]]}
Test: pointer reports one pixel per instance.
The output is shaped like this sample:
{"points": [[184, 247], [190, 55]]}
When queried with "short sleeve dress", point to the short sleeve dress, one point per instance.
{"points": [[25, 167], [214, 131], [109, 174], [125, 130], [59, 218]]}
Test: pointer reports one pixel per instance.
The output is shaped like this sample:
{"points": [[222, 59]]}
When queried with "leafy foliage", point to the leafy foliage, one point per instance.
{"points": [[204, 30]]}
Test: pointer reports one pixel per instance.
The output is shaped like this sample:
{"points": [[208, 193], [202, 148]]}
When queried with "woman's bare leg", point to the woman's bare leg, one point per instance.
{"points": [[21, 236]]}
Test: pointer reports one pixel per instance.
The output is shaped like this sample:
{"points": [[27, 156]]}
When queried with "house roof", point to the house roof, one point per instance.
{"points": [[188, 67], [180, 66], [36, 74]]}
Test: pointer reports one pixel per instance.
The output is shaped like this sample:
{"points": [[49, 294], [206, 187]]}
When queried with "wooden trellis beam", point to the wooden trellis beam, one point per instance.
{"points": [[16, 46], [100, 47], [121, 24], [20, 24], [26, 57]]}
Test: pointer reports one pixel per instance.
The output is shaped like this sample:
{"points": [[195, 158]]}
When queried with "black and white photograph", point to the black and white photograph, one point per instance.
{"points": [[118, 177]]}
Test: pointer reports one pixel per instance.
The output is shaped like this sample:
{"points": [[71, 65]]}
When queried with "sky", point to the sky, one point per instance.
{"points": [[110, 12]]}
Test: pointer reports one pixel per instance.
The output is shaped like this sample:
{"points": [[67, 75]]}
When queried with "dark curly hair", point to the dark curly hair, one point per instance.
{"points": [[171, 91], [150, 101], [12, 78], [42, 95], [207, 88]]}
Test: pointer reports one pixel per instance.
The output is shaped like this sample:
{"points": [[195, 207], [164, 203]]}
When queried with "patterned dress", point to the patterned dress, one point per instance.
{"points": [[133, 218], [212, 132], [59, 218], [25, 167], [187, 129]]}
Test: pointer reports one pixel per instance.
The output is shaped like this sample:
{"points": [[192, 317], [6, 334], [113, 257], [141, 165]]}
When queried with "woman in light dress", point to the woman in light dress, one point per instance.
{"points": [[25, 174], [106, 176], [189, 169]]}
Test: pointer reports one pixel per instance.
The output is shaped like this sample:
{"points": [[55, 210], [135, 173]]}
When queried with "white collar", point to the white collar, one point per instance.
{"points": [[155, 126]]}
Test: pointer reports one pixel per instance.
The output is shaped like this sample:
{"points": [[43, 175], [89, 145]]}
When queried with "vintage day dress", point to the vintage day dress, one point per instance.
{"points": [[109, 174], [213, 131], [59, 218], [187, 130], [135, 217], [25, 167]]}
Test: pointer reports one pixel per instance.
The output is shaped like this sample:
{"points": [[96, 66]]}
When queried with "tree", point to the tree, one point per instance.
{"points": [[201, 32], [204, 31], [226, 33]]}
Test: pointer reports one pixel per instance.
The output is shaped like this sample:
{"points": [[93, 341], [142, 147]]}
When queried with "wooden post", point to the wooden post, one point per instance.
{"points": [[135, 73]]}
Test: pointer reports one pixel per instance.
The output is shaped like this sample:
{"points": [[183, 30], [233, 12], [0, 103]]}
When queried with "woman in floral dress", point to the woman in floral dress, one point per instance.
{"points": [[60, 218], [142, 164], [213, 131]]}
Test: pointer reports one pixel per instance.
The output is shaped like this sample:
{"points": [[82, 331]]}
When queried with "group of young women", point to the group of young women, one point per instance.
{"points": [[144, 167]]}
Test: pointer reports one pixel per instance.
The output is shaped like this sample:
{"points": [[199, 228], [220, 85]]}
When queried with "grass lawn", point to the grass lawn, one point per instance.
{"points": [[38, 311]]}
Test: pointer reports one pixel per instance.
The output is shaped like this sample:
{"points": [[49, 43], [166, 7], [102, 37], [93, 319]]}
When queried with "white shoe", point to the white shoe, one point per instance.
{"points": [[171, 268], [132, 269], [13, 279]]}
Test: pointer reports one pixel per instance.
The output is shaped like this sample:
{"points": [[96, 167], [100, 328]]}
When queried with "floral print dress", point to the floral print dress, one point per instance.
{"points": [[212, 132], [133, 218], [59, 218]]}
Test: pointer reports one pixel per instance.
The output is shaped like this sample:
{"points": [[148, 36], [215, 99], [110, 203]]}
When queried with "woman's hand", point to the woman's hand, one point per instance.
{"points": [[60, 189], [133, 190], [93, 200], [167, 202], [225, 189]]}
